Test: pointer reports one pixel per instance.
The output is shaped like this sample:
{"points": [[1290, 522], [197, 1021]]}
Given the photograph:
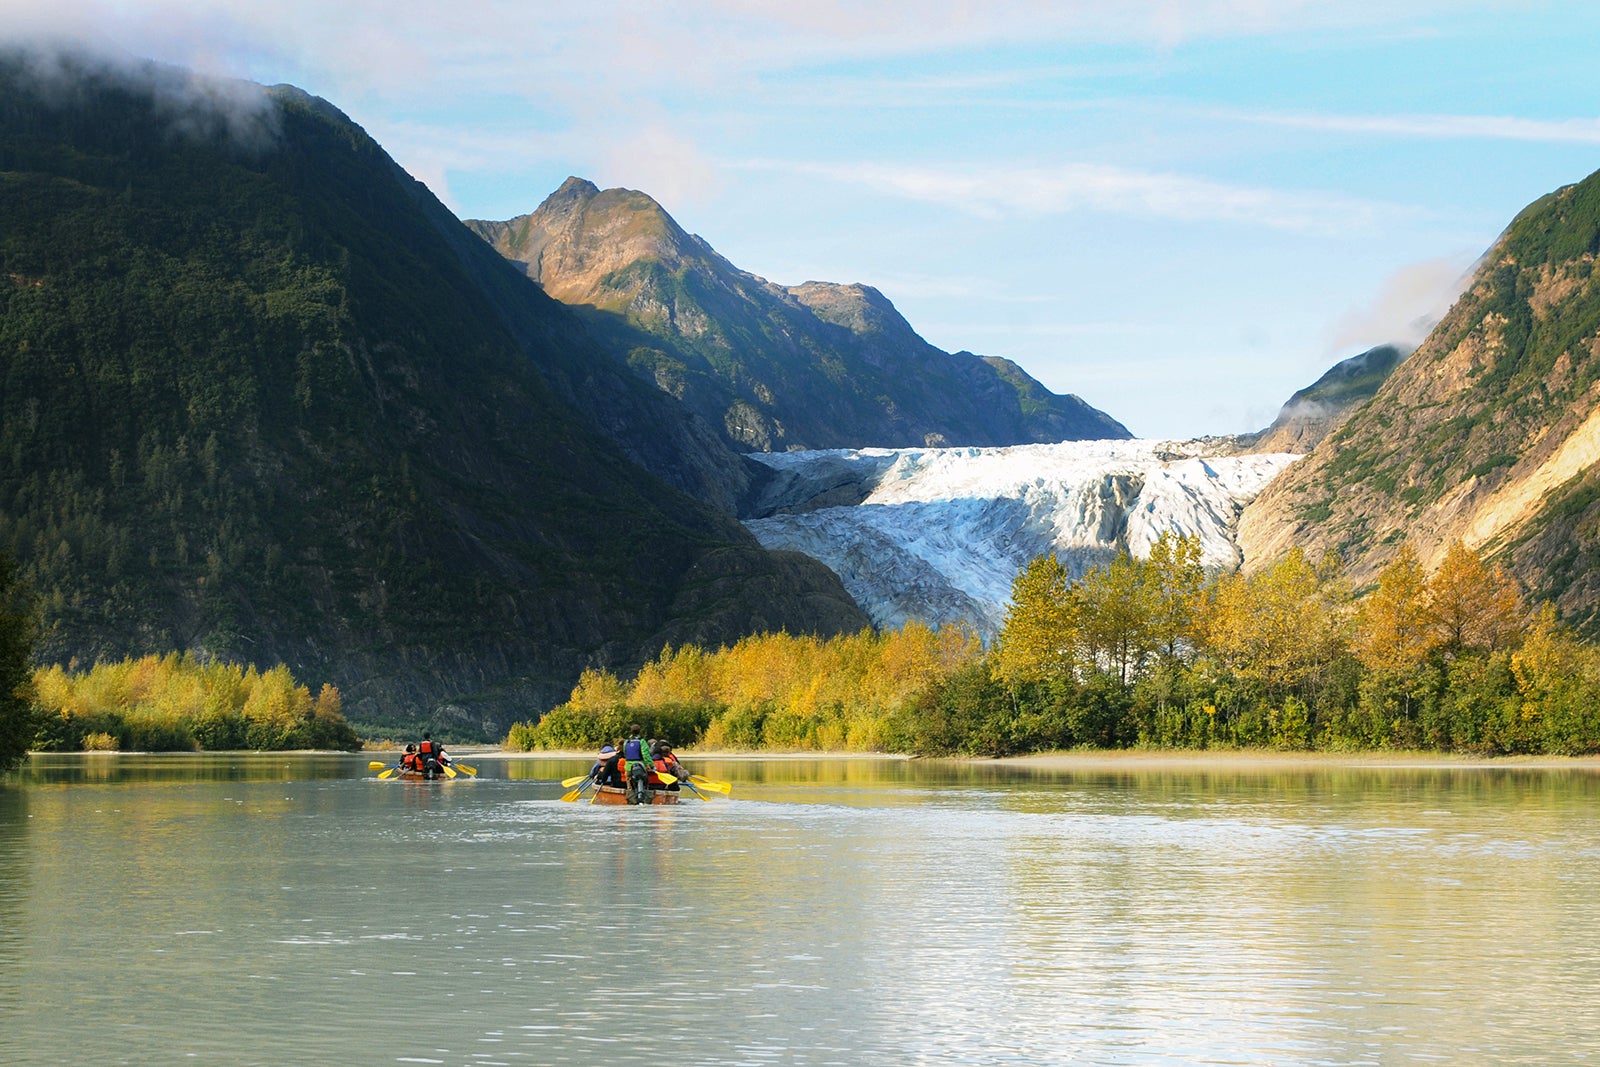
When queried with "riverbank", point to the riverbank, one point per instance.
{"points": [[1131, 759]]}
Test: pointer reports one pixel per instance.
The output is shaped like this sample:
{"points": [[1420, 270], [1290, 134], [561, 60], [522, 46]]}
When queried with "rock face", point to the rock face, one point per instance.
{"points": [[1321, 408], [770, 367], [1487, 434], [940, 534], [263, 398]]}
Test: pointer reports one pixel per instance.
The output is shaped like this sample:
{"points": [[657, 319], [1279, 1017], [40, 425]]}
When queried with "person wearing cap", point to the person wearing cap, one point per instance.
{"points": [[605, 771]]}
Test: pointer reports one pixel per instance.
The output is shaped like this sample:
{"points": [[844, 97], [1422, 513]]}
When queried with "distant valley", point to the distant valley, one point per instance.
{"points": [[265, 398]]}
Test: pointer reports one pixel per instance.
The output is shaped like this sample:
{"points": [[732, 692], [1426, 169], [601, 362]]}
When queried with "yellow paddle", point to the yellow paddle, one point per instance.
{"points": [[449, 771], [390, 772], [464, 769], [716, 787], [376, 766], [568, 783]]}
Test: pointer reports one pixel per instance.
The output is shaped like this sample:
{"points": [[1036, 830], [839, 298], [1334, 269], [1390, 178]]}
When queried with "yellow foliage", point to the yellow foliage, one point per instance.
{"points": [[800, 692], [597, 691]]}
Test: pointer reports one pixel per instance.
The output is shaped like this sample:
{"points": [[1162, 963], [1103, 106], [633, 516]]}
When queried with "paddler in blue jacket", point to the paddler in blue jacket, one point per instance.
{"points": [[636, 754]]}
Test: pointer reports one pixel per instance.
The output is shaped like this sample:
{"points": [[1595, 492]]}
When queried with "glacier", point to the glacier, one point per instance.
{"points": [[938, 534]]}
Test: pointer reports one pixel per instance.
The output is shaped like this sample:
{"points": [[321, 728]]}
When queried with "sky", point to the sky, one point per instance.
{"points": [[1179, 210]]}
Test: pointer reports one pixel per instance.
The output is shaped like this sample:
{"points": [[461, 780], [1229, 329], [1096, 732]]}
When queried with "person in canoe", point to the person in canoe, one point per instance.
{"points": [[430, 754], [409, 761], [636, 754], [606, 769], [666, 762]]}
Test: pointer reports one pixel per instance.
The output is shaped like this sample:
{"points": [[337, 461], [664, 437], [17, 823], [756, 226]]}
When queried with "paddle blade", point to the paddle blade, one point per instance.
{"points": [[390, 773], [464, 769], [571, 796], [449, 771], [667, 778], [716, 787], [568, 783], [376, 765]]}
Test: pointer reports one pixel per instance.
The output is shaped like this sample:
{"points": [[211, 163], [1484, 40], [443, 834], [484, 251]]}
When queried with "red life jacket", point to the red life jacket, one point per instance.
{"points": [[427, 749]]}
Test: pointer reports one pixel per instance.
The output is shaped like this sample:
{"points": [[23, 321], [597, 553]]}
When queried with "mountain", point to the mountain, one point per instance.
{"points": [[262, 397], [770, 367], [1322, 407], [940, 534], [1487, 434]]}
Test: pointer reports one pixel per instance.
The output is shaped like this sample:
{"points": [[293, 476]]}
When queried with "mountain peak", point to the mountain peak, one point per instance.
{"points": [[817, 365], [574, 188], [582, 234]]}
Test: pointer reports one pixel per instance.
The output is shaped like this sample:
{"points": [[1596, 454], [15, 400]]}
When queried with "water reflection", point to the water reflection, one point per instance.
{"points": [[859, 912], [104, 768], [14, 893]]}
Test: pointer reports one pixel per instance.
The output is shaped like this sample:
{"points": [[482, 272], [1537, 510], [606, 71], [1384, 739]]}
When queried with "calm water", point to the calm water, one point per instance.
{"points": [[293, 910]]}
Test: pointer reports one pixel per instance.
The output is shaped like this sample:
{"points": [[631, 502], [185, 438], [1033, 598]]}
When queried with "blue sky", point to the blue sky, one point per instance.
{"points": [[1180, 211]]}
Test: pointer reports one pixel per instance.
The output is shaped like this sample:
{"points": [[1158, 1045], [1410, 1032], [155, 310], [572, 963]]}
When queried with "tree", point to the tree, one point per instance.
{"points": [[1118, 607], [1394, 627], [1282, 627], [1474, 608], [1178, 581], [19, 713], [1038, 641]]}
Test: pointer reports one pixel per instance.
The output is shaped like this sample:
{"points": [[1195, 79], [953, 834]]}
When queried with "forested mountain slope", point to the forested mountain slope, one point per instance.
{"points": [[1320, 408], [1487, 434], [261, 397], [816, 365]]}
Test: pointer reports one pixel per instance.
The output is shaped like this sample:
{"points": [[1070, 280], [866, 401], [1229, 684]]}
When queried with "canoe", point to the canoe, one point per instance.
{"points": [[611, 794], [419, 776]]}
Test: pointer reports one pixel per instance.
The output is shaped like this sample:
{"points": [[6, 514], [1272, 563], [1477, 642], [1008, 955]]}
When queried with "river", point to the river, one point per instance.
{"points": [[272, 909]]}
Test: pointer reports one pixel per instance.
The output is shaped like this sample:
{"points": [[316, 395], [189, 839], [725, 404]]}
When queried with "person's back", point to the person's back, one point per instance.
{"points": [[636, 753], [667, 763], [430, 754]]}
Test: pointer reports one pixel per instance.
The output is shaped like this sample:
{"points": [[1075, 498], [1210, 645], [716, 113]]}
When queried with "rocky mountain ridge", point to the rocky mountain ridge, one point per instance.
{"points": [[1487, 434], [771, 367]]}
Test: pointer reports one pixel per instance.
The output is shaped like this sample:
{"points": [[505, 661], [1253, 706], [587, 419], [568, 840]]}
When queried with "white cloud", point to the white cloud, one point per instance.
{"points": [[665, 164], [1406, 307], [547, 51], [1001, 192], [1444, 127]]}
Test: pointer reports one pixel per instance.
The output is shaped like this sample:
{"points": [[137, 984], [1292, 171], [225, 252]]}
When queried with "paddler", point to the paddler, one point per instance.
{"points": [[636, 754], [666, 762], [604, 771]]}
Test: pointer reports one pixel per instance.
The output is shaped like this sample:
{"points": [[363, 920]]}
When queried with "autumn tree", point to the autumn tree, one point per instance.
{"points": [[1280, 627], [1038, 641], [1394, 625], [1117, 606], [1472, 607], [1177, 581]]}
